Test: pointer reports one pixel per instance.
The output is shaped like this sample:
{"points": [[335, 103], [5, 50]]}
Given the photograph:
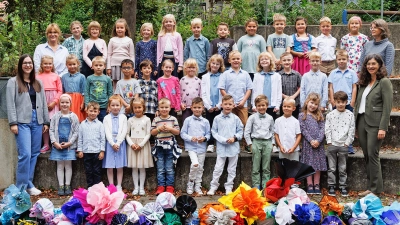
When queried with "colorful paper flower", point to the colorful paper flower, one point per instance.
{"points": [[283, 215], [297, 196], [154, 212], [308, 214], [43, 209], [166, 200], [17, 199], [330, 204], [185, 206], [171, 218], [369, 207], [204, 212], [221, 218], [332, 220], [131, 209], [274, 189], [73, 211]]}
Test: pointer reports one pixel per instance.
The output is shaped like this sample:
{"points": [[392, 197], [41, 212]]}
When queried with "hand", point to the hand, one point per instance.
{"points": [[155, 72], [332, 103], [115, 147], [177, 110], [133, 146], [165, 128], [299, 54], [183, 106], [254, 109], [201, 139], [180, 68], [14, 129], [211, 110], [51, 106], [138, 148], [80, 155], [316, 144], [282, 149], [65, 145], [230, 140], [381, 134], [216, 109], [136, 75], [128, 109], [352, 104], [285, 96], [45, 128], [194, 139], [276, 109], [291, 150], [57, 145], [241, 105], [307, 55], [157, 113], [109, 72], [101, 155], [322, 109]]}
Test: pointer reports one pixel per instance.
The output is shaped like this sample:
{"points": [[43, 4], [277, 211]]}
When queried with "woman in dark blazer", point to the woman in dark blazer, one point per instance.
{"points": [[28, 118], [372, 115]]}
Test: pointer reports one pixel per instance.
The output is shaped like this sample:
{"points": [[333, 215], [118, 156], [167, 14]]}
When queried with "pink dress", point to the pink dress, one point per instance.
{"points": [[302, 44], [52, 88]]}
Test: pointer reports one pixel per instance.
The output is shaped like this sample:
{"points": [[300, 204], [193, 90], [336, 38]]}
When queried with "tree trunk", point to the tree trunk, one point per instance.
{"points": [[129, 9]]}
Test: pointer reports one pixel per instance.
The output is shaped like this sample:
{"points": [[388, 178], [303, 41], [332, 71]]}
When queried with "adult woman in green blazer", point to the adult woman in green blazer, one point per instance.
{"points": [[372, 115]]}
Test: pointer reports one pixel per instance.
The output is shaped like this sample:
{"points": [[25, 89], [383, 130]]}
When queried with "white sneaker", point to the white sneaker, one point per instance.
{"points": [[197, 189], [135, 192], [228, 191], [211, 192], [189, 189], [119, 188], [33, 191], [210, 148], [142, 192], [275, 149]]}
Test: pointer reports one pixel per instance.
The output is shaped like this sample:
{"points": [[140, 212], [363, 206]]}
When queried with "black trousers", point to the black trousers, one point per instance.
{"points": [[92, 168]]}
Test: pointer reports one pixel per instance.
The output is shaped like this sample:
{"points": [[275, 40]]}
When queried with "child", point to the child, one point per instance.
{"points": [[74, 84], [250, 46], [98, 87], [303, 44], [92, 47], [197, 47], [91, 143], [287, 131], [312, 128], [190, 86], [128, 87], [354, 42], [139, 150], [149, 89], [169, 45], [278, 42], [339, 131], [115, 128], [168, 87], [291, 81], [223, 45], [195, 132], [146, 49], [210, 93], [267, 82], [227, 129], [64, 129], [259, 132], [166, 150], [74, 44], [314, 81], [326, 45], [53, 90], [120, 47]]}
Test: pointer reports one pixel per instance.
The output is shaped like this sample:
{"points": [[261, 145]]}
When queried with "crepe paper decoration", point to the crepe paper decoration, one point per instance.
{"points": [[26, 222], [43, 209], [154, 212], [185, 206], [359, 221], [297, 196], [73, 211], [286, 168], [221, 218], [17, 199], [332, 220], [166, 200], [308, 214], [330, 204], [369, 207], [275, 189], [171, 218], [283, 215], [270, 210], [204, 212], [131, 209]]}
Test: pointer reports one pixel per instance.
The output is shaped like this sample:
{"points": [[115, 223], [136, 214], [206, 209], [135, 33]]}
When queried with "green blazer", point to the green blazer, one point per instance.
{"points": [[378, 104]]}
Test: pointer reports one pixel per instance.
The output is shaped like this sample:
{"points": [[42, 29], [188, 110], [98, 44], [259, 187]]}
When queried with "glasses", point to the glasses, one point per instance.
{"points": [[27, 63], [126, 68]]}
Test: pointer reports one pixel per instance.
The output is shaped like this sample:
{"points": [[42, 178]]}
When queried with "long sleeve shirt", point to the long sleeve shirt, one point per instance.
{"points": [[223, 128], [236, 84], [170, 88], [98, 89], [259, 126], [177, 47], [190, 89], [149, 94], [74, 83], [51, 82], [75, 47], [384, 48], [316, 82], [73, 134], [91, 138], [59, 57], [195, 127], [197, 48], [118, 50], [340, 128]]}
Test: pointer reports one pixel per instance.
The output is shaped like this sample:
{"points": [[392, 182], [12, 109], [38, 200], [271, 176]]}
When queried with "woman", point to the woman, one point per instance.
{"points": [[52, 48], [380, 45], [372, 115], [28, 118]]}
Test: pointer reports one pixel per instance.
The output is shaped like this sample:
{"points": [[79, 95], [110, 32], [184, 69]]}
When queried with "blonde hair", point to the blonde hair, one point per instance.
{"points": [[233, 52], [95, 106], [162, 30], [286, 54], [65, 96], [56, 28], [317, 114], [196, 21], [140, 101], [269, 56], [223, 24], [279, 17], [354, 18], [325, 19], [72, 57], [41, 62], [190, 62], [123, 21], [314, 54], [148, 25], [290, 100], [167, 61], [219, 59], [76, 22], [342, 52], [93, 24], [99, 59], [163, 101], [261, 98]]}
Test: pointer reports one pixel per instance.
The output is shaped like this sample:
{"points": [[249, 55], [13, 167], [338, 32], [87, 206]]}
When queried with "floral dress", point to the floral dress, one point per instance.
{"points": [[354, 45]]}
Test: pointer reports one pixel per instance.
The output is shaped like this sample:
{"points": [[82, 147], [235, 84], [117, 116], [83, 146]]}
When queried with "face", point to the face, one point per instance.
{"points": [[372, 66], [146, 32], [235, 60], [164, 109], [197, 109], [340, 105], [315, 63], [262, 107], [114, 107], [52, 36], [342, 62], [76, 30], [287, 61], [215, 65], [312, 106], [251, 28], [196, 29], [301, 26], [265, 63], [27, 65], [227, 106], [190, 71], [47, 65], [354, 26], [279, 25], [127, 69], [72, 66], [325, 28], [120, 29], [92, 113], [146, 71], [98, 68], [223, 31], [375, 31], [65, 104], [94, 32], [169, 24], [167, 68], [137, 109], [288, 108]]}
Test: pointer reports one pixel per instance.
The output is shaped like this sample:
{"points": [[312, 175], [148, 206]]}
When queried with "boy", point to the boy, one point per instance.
{"points": [[291, 81], [343, 79], [223, 45], [149, 90], [227, 129], [99, 86], [195, 132], [339, 132], [165, 151], [127, 88], [326, 45], [314, 81], [258, 133], [287, 131], [197, 46], [74, 44], [278, 42], [91, 144]]}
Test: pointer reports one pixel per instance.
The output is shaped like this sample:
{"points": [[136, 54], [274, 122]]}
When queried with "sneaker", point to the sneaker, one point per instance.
{"points": [[189, 189], [135, 192], [344, 192], [61, 191], [142, 192], [247, 149], [160, 189], [310, 189], [211, 192], [275, 149], [317, 190], [33, 191], [170, 189], [351, 150], [119, 188], [197, 189], [45, 149], [228, 191], [67, 190], [331, 191], [210, 148]]}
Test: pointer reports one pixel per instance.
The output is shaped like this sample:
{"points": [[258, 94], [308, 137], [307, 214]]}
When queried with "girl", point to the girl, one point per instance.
{"points": [[312, 126], [303, 44], [168, 87], [115, 126], [64, 129], [250, 46], [146, 49], [190, 86], [267, 82], [354, 42], [74, 84], [53, 89], [139, 150], [149, 90], [92, 47], [169, 45], [120, 47], [210, 93]]}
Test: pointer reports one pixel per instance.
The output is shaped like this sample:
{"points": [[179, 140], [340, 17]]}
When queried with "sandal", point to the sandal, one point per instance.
{"points": [[310, 189], [317, 190]]}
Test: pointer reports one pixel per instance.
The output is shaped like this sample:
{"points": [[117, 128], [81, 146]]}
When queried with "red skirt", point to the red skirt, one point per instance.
{"points": [[301, 65], [77, 101]]}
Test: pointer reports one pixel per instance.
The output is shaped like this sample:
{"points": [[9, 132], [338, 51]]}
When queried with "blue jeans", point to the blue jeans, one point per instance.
{"points": [[28, 144], [165, 167]]}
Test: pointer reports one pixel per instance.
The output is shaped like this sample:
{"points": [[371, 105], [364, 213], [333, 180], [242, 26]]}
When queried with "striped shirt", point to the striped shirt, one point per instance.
{"points": [[291, 83], [91, 138], [149, 94], [170, 122]]}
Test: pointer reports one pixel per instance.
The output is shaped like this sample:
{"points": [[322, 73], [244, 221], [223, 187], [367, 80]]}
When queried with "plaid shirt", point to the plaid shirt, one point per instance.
{"points": [[149, 94], [75, 47], [290, 84]]}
